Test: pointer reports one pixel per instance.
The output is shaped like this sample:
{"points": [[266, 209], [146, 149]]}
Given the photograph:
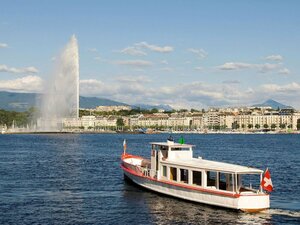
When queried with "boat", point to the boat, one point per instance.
{"points": [[172, 170]]}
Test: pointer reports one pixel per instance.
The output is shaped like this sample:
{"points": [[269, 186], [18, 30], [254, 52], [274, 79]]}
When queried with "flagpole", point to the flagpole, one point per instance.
{"points": [[261, 177]]}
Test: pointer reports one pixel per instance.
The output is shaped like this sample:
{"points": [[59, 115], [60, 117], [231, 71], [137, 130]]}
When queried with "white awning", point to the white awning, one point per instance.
{"points": [[213, 166]]}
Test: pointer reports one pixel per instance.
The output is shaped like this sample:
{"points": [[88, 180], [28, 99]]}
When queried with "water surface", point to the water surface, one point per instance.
{"points": [[76, 179]]}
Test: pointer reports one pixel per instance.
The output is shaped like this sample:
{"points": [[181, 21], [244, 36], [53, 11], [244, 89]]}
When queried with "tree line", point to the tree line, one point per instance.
{"points": [[19, 118]]}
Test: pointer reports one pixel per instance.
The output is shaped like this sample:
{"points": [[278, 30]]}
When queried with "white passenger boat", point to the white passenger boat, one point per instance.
{"points": [[173, 171]]}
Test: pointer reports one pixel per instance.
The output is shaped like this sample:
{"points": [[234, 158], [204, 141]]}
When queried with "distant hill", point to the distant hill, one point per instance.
{"points": [[274, 104], [93, 102], [13, 101], [20, 102], [149, 107]]}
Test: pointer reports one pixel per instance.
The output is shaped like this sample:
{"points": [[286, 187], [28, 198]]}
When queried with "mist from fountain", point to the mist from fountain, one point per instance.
{"points": [[61, 93]]}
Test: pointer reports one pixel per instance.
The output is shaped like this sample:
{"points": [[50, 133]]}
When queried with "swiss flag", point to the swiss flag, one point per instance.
{"points": [[266, 182]]}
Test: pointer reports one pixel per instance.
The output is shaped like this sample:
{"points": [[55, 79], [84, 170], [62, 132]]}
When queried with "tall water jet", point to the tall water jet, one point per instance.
{"points": [[61, 95]]}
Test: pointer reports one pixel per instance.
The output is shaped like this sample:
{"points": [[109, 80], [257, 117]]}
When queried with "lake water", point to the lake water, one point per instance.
{"points": [[76, 179]]}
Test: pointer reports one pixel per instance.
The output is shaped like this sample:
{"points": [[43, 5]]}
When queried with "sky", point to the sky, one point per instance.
{"points": [[187, 54]]}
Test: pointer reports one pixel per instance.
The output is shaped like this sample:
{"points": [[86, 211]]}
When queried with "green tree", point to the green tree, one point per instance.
{"points": [[282, 126], [183, 110], [257, 126], [120, 122], [250, 126], [266, 126], [273, 126], [194, 110], [154, 110], [235, 125]]}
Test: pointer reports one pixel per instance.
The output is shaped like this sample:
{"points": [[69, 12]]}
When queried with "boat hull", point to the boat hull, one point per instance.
{"points": [[249, 203]]}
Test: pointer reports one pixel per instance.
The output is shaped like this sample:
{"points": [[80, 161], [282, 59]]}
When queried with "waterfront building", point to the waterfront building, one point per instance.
{"points": [[211, 119], [153, 120], [177, 120], [252, 119]]}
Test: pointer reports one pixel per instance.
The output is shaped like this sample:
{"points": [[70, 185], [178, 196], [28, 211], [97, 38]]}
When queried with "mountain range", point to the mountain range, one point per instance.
{"points": [[14, 101], [274, 104]]}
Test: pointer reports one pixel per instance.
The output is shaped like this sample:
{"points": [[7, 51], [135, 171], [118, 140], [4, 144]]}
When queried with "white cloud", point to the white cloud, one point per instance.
{"points": [[99, 59], [165, 62], [26, 70], [24, 84], [274, 58], [231, 82], [138, 49], [155, 48], [288, 88], [139, 89], [92, 50], [133, 51], [201, 53], [3, 45], [95, 87], [132, 79], [284, 71], [263, 68], [199, 68], [234, 66], [137, 63], [267, 67], [167, 69]]}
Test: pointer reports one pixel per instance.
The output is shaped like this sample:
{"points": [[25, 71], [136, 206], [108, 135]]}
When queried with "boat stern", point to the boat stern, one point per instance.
{"points": [[254, 203]]}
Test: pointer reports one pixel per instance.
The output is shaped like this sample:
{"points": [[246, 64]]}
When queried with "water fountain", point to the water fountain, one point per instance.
{"points": [[61, 94]]}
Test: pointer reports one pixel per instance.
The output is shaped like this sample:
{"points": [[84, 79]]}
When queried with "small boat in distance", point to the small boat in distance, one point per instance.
{"points": [[172, 170]]}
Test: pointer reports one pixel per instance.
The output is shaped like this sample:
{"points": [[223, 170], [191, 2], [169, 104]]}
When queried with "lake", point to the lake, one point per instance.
{"points": [[77, 179]]}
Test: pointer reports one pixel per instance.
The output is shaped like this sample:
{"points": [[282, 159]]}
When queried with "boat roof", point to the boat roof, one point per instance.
{"points": [[209, 165], [170, 144]]}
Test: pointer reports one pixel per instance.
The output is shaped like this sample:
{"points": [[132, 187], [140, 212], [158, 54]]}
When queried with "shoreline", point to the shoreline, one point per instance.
{"points": [[149, 133]]}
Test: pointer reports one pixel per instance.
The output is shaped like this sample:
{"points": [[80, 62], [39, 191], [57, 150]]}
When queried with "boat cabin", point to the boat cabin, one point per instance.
{"points": [[174, 162]]}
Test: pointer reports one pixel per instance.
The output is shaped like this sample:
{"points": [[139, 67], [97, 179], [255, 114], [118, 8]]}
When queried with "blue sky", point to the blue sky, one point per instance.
{"points": [[182, 53]]}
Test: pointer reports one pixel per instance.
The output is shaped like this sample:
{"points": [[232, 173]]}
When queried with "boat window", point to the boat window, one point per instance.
{"points": [[184, 176], [173, 173], [248, 182], [197, 178], [163, 148], [164, 171], [211, 178], [155, 147], [179, 149], [222, 181]]}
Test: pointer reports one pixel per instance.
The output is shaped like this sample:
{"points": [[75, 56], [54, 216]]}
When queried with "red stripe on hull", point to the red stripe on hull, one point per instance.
{"points": [[180, 185]]}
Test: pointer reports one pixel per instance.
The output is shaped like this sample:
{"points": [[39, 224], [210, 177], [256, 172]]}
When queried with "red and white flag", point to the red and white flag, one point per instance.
{"points": [[266, 182]]}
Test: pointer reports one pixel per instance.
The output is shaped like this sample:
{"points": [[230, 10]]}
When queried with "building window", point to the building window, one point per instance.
{"points": [[173, 173], [164, 169], [197, 178], [184, 176]]}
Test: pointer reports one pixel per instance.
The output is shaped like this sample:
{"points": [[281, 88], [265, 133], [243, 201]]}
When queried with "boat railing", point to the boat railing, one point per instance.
{"points": [[148, 172]]}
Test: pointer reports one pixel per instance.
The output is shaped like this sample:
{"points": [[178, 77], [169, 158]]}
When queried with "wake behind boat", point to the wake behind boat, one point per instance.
{"points": [[173, 171]]}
